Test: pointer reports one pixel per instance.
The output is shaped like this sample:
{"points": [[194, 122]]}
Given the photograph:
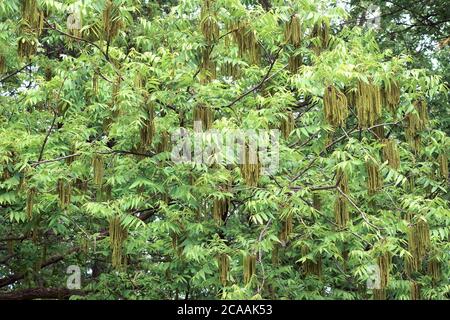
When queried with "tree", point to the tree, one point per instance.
{"points": [[89, 111]]}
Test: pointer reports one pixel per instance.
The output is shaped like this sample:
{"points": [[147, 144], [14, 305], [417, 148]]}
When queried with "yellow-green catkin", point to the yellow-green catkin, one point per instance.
{"points": [[287, 125], [117, 236], [224, 266], [391, 95], [164, 143], [416, 122], [287, 226], [390, 153], [246, 39], [249, 266], [335, 106], [112, 22], [220, 210], [99, 167], [443, 165], [384, 265], [208, 24], [374, 179], [434, 269], [340, 206], [418, 245], [368, 104], [379, 294], [414, 290], [311, 267], [31, 27], [293, 37], [64, 192], [321, 33], [147, 131], [205, 115], [250, 167], [30, 202]]}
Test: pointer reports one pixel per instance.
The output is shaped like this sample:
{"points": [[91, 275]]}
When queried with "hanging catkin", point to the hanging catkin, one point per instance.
{"points": [[415, 290], [443, 165], [287, 125], [208, 24], [368, 104], [220, 210], [311, 267], [418, 245], [30, 202], [293, 31], [340, 205], [247, 42], [249, 265], [286, 229], [224, 265], [2, 64], [391, 95], [390, 153], [64, 192], [148, 127], [111, 20], [98, 165], [251, 167], [117, 236], [164, 143], [434, 269], [374, 180], [335, 106], [384, 265], [205, 115], [416, 122], [31, 27], [379, 294], [321, 31]]}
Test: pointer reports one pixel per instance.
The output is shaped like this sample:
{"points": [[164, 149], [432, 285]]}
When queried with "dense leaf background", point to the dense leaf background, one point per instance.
{"points": [[85, 94]]}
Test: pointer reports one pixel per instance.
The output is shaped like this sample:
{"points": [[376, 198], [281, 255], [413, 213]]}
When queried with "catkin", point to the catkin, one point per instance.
{"points": [[111, 20], [117, 236], [415, 290], [251, 167], [245, 38], [384, 265], [391, 95], [434, 269], [64, 192], [98, 165], [368, 104], [205, 115], [321, 31], [148, 127], [335, 106], [374, 180], [418, 245], [311, 267], [443, 165], [30, 202], [379, 294], [286, 229], [287, 125], [224, 265], [340, 205], [390, 153], [249, 266]]}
